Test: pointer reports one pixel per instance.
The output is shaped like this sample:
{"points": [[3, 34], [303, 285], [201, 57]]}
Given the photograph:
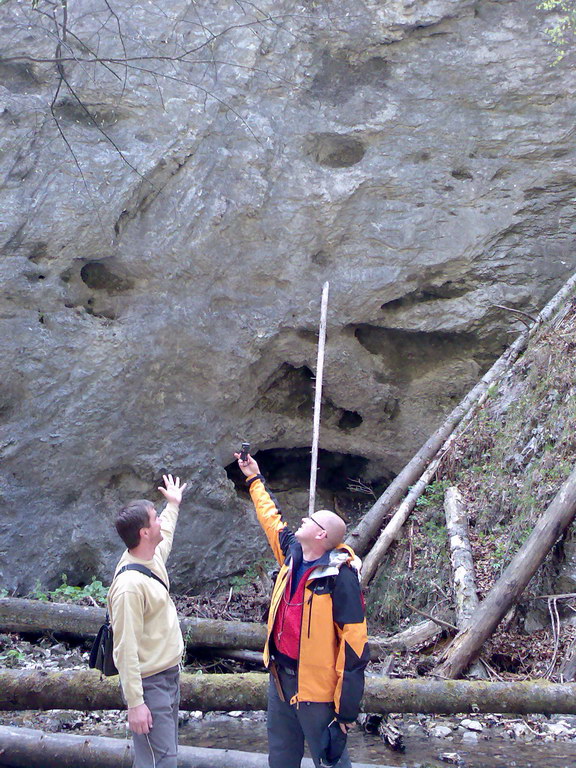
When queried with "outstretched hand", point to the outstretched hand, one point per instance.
{"points": [[172, 491], [248, 467]]}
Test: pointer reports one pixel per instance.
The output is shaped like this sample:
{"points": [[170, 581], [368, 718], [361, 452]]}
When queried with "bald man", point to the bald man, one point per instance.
{"points": [[316, 647]]}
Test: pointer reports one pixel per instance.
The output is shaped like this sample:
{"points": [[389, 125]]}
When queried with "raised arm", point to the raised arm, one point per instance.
{"points": [[269, 516], [172, 491]]}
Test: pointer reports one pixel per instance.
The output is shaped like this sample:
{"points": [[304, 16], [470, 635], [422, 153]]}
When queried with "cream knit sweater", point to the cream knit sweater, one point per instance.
{"points": [[147, 636]]}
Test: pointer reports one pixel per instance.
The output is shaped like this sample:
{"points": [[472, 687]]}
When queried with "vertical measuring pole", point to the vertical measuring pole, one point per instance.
{"points": [[318, 397]]}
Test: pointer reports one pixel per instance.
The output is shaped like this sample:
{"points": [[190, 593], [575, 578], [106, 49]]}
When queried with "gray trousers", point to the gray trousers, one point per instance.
{"points": [[159, 748], [290, 724]]}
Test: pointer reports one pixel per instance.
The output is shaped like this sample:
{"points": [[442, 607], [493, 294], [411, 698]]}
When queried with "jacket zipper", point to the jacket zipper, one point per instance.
{"points": [[310, 613]]}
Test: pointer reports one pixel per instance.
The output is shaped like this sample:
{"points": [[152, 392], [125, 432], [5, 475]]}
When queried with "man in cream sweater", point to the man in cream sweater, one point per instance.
{"points": [[148, 642]]}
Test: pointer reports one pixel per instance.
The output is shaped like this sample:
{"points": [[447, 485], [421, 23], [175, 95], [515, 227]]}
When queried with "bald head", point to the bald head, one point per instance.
{"points": [[335, 527]]}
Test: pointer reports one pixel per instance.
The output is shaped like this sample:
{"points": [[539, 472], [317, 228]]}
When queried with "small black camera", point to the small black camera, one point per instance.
{"points": [[244, 451]]}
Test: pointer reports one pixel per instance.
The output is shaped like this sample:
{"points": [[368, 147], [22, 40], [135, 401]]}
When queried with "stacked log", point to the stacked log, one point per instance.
{"points": [[25, 689]]}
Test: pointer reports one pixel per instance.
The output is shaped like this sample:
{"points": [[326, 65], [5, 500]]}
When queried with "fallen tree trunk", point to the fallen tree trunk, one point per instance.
{"points": [[464, 581], [505, 593], [87, 690], [368, 527], [463, 578], [84, 690], [419, 634], [390, 532], [19, 615], [36, 749]]}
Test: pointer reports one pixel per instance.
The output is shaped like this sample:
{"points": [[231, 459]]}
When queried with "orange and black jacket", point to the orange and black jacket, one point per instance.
{"points": [[333, 639]]}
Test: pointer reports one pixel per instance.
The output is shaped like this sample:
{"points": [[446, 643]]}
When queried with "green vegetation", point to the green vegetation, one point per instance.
{"points": [[95, 592], [12, 657], [563, 29], [253, 573], [433, 495]]}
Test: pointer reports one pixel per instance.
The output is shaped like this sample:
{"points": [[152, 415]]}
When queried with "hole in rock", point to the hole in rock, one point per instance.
{"points": [[339, 77], [349, 420], [80, 564], [462, 174], [321, 258], [8, 400], [447, 290], [289, 390], [39, 252], [97, 276], [309, 336], [19, 77], [34, 277], [335, 150], [288, 469], [89, 113]]}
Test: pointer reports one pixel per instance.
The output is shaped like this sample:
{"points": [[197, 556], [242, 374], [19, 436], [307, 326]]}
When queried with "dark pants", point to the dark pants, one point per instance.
{"points": [[290, 724], [158, 749]]}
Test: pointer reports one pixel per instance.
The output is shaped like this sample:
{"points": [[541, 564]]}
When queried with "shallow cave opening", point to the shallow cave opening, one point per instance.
{"points": [[288, 469], [349, 420]]}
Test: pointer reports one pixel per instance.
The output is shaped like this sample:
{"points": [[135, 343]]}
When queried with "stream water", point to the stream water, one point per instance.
{"points": [[420, 751], [490, 751]]}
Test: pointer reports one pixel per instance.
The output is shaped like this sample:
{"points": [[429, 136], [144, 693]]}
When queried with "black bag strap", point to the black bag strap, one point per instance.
{"points": [[141, 569]]}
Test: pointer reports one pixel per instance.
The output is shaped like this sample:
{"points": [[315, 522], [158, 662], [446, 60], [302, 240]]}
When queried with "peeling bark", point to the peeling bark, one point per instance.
{"points": [[463, 577]]}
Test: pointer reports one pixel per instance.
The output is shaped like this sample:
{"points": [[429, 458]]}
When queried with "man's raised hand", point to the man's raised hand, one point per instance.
{"points": [[172, 491], [248, 467]]}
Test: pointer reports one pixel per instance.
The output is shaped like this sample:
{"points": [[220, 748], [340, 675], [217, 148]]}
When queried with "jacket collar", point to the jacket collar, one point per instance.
{"points": [[330, 562]]}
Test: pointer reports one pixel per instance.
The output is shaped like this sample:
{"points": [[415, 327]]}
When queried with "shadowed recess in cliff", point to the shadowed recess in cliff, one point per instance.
{"points": [[98, 277], [290, 391], [89, 113], [288, 469], [339, 77], [20, 76], [413, 354], [334, 150], [77, 565], [450, 289]]}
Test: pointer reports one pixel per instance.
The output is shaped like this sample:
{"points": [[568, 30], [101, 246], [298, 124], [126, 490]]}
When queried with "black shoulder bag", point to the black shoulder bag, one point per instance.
{"points": [[101, 657]]}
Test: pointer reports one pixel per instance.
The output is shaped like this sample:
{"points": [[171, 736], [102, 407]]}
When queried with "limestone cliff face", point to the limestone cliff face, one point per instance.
{"points": [[167, 226]]}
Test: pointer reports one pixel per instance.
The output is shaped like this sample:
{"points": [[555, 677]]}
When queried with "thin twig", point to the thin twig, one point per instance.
{"points": [[122, 43], [516, 312], [491, 671], [440, 622], [565, 596], [555, 622]]}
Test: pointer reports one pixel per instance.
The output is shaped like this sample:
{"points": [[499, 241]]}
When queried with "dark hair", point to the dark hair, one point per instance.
{"points": [[131, 518]]}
